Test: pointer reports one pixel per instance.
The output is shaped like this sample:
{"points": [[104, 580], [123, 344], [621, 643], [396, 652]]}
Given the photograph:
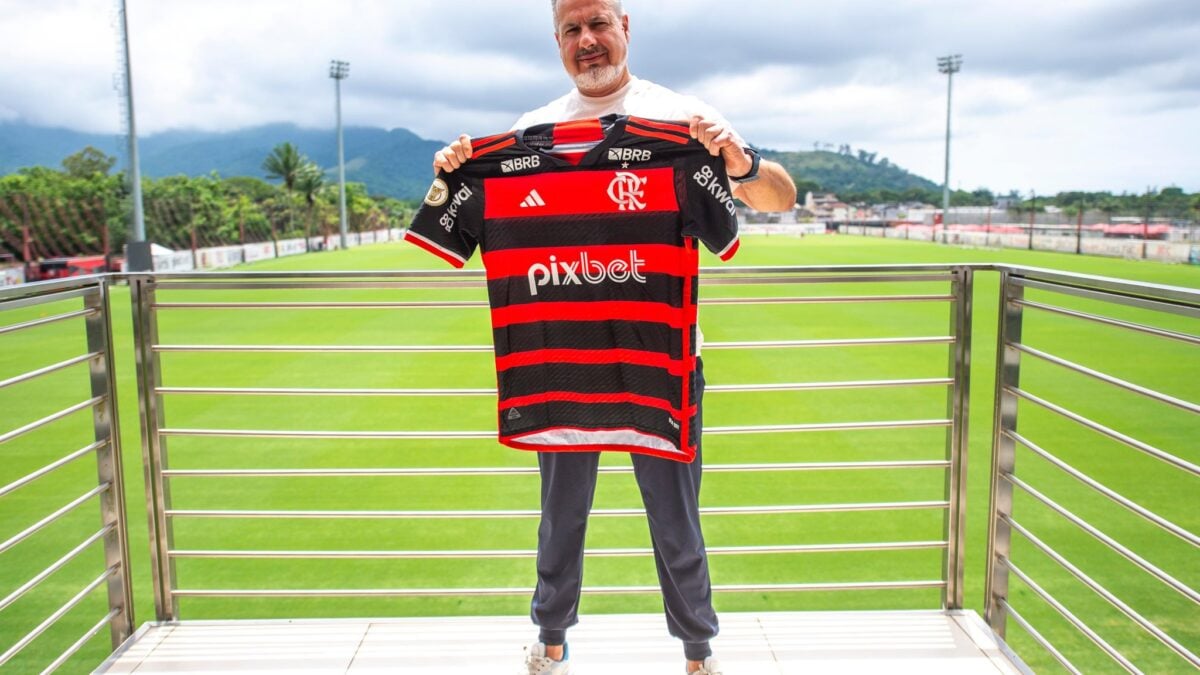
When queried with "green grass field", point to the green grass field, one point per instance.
{"points": [[1163, 365]]}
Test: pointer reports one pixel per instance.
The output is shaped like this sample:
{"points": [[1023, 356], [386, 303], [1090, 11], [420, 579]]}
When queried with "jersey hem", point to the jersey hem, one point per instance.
{"points": [[681, 456], [434, 248]]}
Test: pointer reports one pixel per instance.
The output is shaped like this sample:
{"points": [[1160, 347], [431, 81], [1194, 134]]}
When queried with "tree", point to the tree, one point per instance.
{"points": [[284, 163], [87, 163], [309, 181], [1108, 205], [1172, 202]]}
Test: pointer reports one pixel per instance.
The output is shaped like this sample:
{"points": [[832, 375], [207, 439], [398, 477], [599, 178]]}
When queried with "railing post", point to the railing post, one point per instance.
{"points": [[154, 451], [957, 401], [1004, 419], [108, 462]]}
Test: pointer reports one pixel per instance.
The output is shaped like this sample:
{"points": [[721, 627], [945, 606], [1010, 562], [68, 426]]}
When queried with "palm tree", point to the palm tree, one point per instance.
{"points": [[284, 163], [309, 181]]}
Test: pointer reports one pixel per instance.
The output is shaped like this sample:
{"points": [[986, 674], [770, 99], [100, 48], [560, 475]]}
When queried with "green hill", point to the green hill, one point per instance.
{"points": [[840, 173], [393, 163]]}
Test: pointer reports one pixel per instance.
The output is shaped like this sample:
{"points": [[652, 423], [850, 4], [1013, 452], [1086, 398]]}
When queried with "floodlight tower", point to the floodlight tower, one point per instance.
{"points": [[138, 257], [948, 65], [340, 70]]}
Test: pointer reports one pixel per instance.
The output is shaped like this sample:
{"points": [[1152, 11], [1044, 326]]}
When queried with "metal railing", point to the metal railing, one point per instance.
{"points": [[103, 447], [169, 310], [1102, 299], [149, 309]]}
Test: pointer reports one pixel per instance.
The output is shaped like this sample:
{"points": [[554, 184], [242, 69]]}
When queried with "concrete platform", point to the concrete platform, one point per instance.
{"points": [[926, 642]]}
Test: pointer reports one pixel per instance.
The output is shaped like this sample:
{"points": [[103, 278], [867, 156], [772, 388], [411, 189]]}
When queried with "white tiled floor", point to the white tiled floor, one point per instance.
{"points": [[750, 644]]}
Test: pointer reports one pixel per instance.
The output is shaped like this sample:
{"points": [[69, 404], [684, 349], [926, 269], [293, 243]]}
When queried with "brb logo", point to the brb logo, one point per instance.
{"points": [[627, 191], [586, 270], [520, 164]]}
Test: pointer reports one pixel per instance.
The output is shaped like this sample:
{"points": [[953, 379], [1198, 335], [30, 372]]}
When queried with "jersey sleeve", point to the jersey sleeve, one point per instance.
{"points": [[709, 211], [450, 219]]}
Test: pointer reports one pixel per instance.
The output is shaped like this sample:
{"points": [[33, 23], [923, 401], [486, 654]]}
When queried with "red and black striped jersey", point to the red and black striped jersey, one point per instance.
{"points": [[592, 269]]}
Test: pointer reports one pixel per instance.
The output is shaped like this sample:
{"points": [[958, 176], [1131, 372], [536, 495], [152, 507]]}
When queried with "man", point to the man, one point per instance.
{"points": [[593, 40]]}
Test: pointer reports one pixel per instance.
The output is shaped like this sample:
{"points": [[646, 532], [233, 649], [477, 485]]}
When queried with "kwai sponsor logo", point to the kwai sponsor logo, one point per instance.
{"points": [[451, 215], [585, 270], [707, 179]]}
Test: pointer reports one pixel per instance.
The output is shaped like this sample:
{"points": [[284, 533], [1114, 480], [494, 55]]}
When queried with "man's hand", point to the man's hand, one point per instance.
{"points": [[774, 191], [719, 138], [452, 156]]}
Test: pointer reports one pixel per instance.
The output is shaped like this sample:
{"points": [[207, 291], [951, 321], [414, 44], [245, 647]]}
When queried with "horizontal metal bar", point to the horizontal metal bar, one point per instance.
{"points": [[827, 426], [826, 299], [1070, 617], [1174, 293], [48, 320], [58, 614], [820, 386], [533, 470], [198, 280], [849, 342], [1104, 593], [1116, 497], [49, 419], [1128, 300], [1149, 330], [34, 374], [452, 435], [895, 270], [45, 299], [711, 389], [343, 435], [531, 553], [447, 304], [1038, 637], [448, 281], [534, 513], [308, 391], [91, 633], [587, 590], [1106, 431], [29, 531], [56, 566], [710, 277], [26, 480], [323, 349], [1109, 379], [437, 349], [1175, 584]]}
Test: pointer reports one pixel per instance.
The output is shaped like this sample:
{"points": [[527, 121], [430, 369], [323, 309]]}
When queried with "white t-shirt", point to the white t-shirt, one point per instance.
{"points": [[639, 97]]}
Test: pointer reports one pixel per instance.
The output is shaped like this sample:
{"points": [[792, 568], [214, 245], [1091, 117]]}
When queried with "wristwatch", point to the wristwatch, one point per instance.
{"points": [[752, 176]]}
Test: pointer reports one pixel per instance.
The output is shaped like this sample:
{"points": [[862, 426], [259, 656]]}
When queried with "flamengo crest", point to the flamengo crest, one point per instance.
{"points": [[627, 190]]}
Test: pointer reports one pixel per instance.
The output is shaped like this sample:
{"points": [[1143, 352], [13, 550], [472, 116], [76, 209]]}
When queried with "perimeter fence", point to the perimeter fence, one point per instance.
{"points": [[292, 423]]}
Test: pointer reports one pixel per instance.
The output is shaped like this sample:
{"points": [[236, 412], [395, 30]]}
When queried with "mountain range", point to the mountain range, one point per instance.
{"points": [[395, 162]]}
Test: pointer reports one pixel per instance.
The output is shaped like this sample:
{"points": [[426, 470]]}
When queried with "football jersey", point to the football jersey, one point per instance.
{"points": [[591, 266]]}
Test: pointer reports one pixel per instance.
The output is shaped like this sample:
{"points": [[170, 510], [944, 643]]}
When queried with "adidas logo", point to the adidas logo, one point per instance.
{"points": [[532, 200], [513, 414]]}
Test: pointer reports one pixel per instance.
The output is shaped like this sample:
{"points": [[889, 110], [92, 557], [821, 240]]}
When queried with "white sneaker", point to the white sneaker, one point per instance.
{"points": [[537, 663], [709, 667]]}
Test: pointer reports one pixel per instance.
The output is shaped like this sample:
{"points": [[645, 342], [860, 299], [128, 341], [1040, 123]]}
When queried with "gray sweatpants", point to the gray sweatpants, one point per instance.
{"points": [[671, 493]]}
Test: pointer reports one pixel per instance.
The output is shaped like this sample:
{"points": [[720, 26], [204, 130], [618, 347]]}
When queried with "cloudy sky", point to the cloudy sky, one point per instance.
{"points": [[1053, 94]]}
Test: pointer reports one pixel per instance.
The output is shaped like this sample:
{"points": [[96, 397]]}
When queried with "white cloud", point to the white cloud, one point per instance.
{"points": [[1099, 94]]}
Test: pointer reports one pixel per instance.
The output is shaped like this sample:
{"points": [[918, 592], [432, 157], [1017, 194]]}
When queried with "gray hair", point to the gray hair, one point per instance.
{"points": [[614, 5]]}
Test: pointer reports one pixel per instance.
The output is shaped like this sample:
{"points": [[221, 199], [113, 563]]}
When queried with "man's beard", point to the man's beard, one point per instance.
{"points": [[599, 78]]}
